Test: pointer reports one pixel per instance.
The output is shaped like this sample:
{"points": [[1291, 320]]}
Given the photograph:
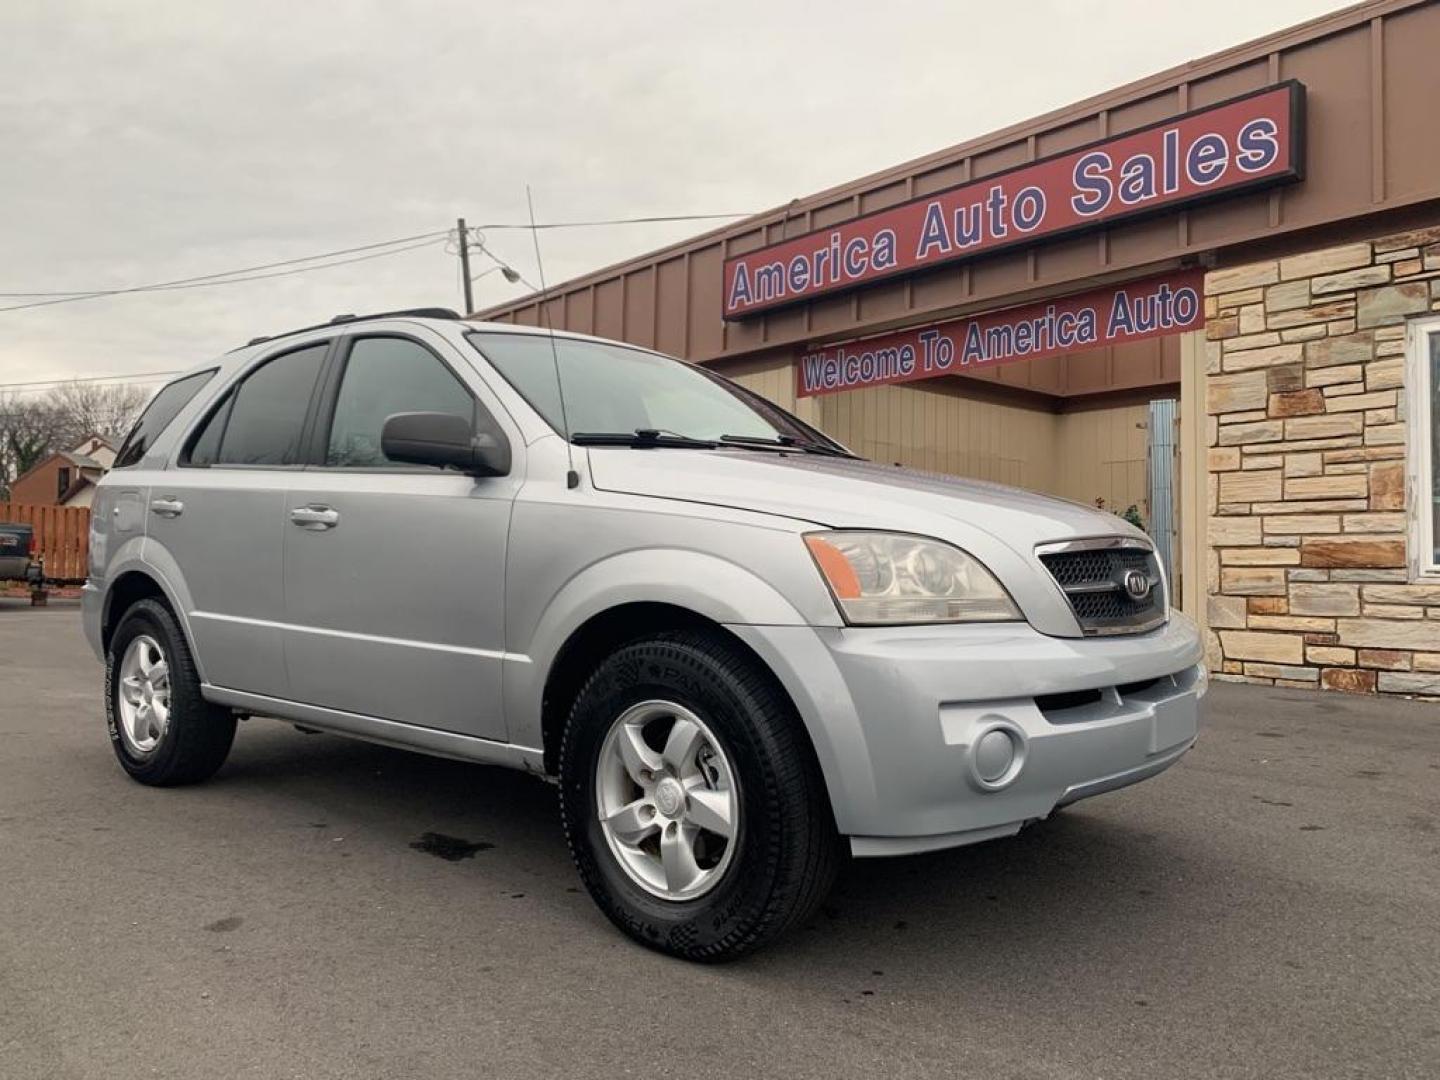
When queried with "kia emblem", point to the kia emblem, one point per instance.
{"points": [[1137, 584]]}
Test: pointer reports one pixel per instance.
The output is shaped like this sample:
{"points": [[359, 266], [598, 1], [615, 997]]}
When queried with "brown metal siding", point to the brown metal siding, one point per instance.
{"points": [[1410, 160], [1370, 78]]}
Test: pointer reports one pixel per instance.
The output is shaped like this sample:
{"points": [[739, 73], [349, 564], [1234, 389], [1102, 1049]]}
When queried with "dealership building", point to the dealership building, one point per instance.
{"points": [[1212, 295]]}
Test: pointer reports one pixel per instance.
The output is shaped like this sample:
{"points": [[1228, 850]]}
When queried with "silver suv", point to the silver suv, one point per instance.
{"points": [[741, 651]]}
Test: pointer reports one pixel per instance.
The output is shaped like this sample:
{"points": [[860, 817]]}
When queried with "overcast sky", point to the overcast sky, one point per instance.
{"points": [[147, 141]]}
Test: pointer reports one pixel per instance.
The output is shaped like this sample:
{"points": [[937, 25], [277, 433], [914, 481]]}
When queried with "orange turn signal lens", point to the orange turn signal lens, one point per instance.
{"points": [[844, 582]]}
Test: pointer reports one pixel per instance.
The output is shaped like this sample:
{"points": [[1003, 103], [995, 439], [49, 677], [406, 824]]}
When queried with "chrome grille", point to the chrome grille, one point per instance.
{"points": [[1093, 575]]}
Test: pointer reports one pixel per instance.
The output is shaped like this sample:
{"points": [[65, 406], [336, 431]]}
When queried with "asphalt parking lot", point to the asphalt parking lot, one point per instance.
{"points": [[1268, 908]]}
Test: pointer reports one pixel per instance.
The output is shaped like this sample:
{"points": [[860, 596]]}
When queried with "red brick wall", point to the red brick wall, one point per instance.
{"points": [[39, 487]]}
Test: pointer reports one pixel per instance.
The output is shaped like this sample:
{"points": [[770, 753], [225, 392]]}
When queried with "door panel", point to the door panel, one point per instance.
{"points": [[218, 516], [226, 542], [395, 575], [396, 610]]}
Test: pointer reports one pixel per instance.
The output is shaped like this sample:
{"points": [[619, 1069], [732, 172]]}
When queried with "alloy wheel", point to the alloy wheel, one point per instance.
{"points": [[143, 695], [667, 800]]}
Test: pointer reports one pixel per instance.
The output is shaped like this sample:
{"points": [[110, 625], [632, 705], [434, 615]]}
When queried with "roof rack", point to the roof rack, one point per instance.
{"points": [[340, 320]]}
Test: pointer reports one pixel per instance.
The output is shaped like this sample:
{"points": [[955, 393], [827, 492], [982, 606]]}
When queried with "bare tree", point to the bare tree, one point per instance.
{"points": [[33, 426], [83, 409], [27, 434]]}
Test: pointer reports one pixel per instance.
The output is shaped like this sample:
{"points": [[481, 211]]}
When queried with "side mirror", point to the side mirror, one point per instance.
{"points": [[446, 440]]}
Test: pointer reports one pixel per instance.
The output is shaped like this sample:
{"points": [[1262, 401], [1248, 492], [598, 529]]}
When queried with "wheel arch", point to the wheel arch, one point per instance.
{"points": [[130, 586], [594, 639], [614, 627]]}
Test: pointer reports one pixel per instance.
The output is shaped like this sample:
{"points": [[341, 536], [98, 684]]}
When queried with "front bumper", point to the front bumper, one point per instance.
{"points": [[897, 715]]}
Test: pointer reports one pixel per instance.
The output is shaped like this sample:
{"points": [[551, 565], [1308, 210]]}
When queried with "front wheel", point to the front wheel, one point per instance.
{"points": [[692, 803]]}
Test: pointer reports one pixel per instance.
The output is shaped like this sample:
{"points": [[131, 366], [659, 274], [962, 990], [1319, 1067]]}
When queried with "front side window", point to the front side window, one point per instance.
{"points": [[384, 376], [618, 390], [262, 420], [163, 408]]}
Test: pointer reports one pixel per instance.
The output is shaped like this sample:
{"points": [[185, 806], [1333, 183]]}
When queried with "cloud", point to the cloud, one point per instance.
{"points": [[155, 140]]}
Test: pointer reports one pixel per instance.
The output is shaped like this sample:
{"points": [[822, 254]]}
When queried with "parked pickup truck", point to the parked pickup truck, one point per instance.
{"points": [[17, 551]]}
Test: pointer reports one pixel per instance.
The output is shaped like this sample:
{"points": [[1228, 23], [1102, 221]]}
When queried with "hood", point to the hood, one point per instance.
{"points": [[998, 525], [848, 493]]}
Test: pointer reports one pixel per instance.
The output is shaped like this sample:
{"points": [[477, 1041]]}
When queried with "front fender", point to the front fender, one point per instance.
{"points": [[707, 585]]}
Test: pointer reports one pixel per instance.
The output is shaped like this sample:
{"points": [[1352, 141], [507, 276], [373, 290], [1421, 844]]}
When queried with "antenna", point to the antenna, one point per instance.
{"points": [[572, 478]]}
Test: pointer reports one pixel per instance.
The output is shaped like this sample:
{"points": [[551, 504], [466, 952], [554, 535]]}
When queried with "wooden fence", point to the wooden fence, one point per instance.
{"points": [[62, 536]]}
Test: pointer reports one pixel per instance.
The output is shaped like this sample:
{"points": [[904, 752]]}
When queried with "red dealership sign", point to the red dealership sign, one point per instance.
{"points": [[1130, 312], [1239, 145]]}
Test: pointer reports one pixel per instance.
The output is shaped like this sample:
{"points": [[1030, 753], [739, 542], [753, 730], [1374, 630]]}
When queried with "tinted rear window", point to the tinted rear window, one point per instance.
{"points": [[262, 420], [163, 408]]}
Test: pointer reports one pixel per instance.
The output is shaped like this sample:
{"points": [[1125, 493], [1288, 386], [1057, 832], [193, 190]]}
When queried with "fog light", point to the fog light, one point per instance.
{"points": [[997, 755], [994, 754]]}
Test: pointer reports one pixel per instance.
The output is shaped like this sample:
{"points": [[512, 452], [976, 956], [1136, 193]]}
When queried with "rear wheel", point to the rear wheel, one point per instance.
{"points": [[692, 803], [162, 729]]}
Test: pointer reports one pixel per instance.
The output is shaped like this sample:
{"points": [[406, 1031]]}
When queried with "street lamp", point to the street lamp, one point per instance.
{"points": [[467, 238], [511, 274]]}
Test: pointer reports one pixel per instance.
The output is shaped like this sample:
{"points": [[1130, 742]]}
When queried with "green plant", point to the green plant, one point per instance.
{"points": [[1131, 513]]}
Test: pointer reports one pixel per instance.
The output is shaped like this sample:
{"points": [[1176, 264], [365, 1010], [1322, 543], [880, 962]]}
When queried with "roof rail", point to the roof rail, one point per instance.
{"points": [[340, 320]]}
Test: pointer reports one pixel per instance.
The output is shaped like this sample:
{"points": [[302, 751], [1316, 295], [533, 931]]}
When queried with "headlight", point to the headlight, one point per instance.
{"points": [[888, 578]]}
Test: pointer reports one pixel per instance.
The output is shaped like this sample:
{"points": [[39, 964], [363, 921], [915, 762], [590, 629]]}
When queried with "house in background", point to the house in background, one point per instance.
{"points": [[66, 477]]}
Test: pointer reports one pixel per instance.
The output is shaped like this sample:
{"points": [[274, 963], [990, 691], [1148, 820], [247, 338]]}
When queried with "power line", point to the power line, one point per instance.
{"points": [[212, 280], [88, 379], [297, 270], [611, 221], [199, 284], [242, 270], [378, 250], [68, 294]]}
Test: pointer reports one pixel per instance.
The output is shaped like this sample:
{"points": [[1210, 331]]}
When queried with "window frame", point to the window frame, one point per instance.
{"points": [[120, 462], [761, 404], [1420, 439], [318, 446], [225, 398]]}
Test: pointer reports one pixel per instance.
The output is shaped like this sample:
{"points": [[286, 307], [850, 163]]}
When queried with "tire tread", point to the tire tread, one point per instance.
{"points": [[806, 847], [200, 734]]}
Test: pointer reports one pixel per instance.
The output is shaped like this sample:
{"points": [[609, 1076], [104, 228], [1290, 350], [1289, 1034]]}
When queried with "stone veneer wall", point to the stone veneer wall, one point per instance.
{"points": [[1305, 372]]}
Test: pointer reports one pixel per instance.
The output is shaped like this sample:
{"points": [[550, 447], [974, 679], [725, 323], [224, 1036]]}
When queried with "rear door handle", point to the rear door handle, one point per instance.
{"points": [[167, 508], [315, 518]]}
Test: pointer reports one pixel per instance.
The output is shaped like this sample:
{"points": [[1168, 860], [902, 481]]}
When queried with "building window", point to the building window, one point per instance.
{"points": [[1424, 392], [62, 477]]}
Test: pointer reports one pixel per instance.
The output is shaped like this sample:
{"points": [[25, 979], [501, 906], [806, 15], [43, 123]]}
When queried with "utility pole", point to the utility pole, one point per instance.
{"points": [[465, 264]]}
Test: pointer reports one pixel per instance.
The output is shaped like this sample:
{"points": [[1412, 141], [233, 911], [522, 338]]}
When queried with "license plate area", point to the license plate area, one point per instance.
{"points": [[1175, 721]]}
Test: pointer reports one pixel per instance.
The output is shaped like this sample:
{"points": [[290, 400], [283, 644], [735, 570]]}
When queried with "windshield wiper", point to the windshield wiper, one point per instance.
{"points": [[785, 442], [643, 439]]}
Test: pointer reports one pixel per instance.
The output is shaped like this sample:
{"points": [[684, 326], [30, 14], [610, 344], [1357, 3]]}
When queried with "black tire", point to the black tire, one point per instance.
{"points": [[197, 738], [787, 851]]}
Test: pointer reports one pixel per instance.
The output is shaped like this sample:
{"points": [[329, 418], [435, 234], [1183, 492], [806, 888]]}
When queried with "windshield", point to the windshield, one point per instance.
{"points": [[620, 390]]}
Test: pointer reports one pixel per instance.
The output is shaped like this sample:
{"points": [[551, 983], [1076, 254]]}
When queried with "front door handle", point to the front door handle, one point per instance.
{"points": [[166, 508], [315, 518]]}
